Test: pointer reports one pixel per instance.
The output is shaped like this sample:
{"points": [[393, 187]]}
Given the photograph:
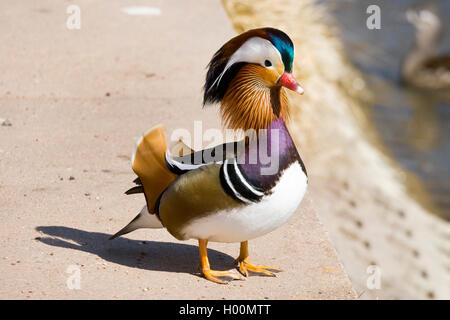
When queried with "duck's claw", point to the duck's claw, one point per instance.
{"points": [[214, 276], [244, 267]]}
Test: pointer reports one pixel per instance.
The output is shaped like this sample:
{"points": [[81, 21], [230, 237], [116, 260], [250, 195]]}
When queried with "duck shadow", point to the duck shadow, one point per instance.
{"points": [[149, 255]]}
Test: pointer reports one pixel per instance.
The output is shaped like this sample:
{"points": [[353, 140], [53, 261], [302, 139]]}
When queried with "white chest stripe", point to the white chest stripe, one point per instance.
{"points": [[246, 184], [230, 184]]}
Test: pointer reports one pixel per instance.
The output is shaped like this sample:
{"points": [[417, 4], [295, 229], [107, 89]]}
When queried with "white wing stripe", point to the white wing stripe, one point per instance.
{"points": [[179, 165]]}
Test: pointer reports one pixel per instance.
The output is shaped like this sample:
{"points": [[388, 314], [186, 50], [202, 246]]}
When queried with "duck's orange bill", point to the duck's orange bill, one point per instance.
{"points": [[287, 80]]}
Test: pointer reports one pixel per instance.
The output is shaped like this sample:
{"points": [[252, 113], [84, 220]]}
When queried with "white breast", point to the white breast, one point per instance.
{"points": [[256, 219]]}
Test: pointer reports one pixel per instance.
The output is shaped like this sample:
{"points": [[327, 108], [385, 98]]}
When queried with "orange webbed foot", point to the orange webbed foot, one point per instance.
{"points": [[213, 275], [244, 266]]}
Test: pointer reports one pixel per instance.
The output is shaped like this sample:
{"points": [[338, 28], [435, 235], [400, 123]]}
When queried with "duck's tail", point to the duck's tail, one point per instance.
{"points": [[149, 163], [143, 220]]}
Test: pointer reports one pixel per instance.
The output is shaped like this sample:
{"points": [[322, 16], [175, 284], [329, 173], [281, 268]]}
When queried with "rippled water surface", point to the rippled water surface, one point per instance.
{"points": [[414, 125]]}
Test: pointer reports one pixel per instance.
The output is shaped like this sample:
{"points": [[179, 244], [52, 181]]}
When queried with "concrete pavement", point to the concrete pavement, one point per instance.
{"points": [[78, 100]]}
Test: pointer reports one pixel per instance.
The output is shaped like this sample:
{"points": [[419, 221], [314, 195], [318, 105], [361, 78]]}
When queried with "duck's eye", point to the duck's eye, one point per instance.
{"points": [[267, 63]]}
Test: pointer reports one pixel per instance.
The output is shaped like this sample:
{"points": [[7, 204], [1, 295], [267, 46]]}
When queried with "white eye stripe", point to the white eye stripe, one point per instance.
{"points": [[254, 50]]}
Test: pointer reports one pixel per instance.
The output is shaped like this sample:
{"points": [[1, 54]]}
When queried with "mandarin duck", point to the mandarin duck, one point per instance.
{"points": [[237, 191], [422, 67]]}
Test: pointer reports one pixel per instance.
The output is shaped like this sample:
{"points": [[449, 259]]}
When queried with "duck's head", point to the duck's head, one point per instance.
{"points": [[247, 76], [426, 20]]}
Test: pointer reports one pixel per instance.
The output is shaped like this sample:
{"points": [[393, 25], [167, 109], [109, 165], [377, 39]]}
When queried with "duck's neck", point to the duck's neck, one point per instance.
{"points": [[267, 156], [250, 104], [424, 48]]}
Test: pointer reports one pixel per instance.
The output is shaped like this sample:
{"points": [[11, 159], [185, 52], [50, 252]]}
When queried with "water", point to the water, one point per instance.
{"points": [[414, 125]]}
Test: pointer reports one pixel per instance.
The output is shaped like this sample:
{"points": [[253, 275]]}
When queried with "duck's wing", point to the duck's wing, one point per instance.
{"points": [[182, 164], [157, 168]]}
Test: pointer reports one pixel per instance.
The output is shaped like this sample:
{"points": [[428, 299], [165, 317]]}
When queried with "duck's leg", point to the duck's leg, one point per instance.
{"points": [[205, 267], [245, 266]]}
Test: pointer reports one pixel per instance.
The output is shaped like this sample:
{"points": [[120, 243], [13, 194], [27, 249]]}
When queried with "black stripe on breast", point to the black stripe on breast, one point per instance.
{"points": [[225, 185]]}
